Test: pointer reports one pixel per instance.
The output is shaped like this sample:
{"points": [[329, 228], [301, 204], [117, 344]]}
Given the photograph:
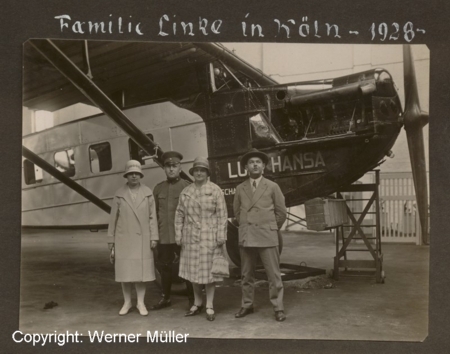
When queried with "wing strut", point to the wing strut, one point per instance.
{"points": [[69, 70]]}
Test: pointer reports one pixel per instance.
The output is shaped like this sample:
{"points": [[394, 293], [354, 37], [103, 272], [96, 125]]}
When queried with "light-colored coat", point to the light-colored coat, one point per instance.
{"points": [[200, 222], [260, 215], [131, 228]]}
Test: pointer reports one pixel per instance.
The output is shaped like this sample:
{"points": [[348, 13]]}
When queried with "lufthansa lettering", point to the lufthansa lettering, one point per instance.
{"points": [[278, 163]]}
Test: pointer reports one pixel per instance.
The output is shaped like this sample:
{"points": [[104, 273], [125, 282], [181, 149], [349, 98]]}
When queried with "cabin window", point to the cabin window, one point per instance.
{"points": [[262, 133], [32, 173], [100, 157], [65, 162], [136, 153]]}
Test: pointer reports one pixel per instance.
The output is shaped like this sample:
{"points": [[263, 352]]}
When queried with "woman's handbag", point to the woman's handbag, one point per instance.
{"points": [[220, 264]]}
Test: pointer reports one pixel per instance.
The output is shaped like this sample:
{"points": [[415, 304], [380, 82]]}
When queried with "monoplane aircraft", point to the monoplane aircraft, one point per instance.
{"points": [[320, 135]]}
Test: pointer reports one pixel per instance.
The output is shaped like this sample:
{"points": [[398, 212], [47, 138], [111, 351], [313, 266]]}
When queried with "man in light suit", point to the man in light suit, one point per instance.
{"points": [[260, 211]]}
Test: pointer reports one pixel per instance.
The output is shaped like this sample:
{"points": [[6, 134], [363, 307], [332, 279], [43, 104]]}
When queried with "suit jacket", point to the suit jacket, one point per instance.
{"points": [[260, 215]]}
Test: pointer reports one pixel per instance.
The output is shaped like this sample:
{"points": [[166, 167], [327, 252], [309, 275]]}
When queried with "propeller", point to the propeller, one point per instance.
{"points": [[415, 119]]}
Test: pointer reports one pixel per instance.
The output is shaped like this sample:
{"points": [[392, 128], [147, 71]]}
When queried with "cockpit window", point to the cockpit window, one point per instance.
{"points": [[262, 134], [221, 77]]}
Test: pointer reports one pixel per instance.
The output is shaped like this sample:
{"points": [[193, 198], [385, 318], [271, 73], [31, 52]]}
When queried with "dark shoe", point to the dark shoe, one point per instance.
{"points": [[244, 312], [210, 317], [194, 310], [280, 316], [161, 304]]}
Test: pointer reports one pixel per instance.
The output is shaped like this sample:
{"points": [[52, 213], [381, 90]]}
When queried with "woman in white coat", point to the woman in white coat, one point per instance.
{"points": [[132, 234]]}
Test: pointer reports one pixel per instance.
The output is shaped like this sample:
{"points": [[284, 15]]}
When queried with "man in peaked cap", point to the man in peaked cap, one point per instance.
{"points": [[166, 196], [260, 210]]}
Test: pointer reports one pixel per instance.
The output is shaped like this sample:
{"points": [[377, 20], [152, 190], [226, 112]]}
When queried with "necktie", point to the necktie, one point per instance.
{"points": [[254, 186]]}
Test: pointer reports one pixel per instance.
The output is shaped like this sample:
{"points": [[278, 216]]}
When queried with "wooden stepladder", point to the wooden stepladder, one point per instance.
{"points": [[374, 265]]}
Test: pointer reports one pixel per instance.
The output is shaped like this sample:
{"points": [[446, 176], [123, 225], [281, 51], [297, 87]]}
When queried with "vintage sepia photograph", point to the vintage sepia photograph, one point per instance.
{"points": [[300, 170]]}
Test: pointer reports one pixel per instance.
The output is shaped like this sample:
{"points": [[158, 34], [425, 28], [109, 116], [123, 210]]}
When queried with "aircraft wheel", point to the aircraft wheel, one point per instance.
{"points": [[233, 242]]}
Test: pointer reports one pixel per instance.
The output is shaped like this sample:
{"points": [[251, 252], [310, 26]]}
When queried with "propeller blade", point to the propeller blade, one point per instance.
{"points": [[409, 74], [415, 120], [419, 169]]}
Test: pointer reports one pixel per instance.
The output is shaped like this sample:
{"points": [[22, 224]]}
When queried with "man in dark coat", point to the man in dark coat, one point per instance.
{"points": [[260, 210], [166, 196]]}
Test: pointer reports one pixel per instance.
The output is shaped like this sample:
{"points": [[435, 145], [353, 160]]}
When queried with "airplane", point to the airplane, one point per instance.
{"points": [[320, 135]]}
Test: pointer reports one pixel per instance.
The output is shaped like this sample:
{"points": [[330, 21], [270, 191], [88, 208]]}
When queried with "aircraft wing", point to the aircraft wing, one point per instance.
{"points": [[129, 73]]}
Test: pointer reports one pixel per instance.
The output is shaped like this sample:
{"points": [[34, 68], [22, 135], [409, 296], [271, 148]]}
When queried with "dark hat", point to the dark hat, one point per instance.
{"points": [[171, 157], [254, 153], [200, 162]]}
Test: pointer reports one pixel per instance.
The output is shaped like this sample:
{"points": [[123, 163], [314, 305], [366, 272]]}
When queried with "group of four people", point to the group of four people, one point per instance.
{"points": [[189, 221]]}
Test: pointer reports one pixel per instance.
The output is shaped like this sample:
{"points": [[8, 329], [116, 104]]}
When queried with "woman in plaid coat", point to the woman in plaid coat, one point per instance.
{"points": [[200, 227]]}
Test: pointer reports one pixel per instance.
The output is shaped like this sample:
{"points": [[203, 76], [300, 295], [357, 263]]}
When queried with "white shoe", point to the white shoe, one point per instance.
{"points": [[142, 309], [125, 309]]}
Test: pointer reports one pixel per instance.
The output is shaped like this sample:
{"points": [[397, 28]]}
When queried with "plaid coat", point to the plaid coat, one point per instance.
{"points": [[200, 221]]}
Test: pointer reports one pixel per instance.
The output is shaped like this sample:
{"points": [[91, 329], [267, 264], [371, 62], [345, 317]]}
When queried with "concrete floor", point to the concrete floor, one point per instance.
{"points": [[72, 269]]}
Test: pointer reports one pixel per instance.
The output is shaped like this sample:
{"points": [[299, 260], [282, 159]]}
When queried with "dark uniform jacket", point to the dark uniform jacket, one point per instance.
{"points": [[166, 197]]}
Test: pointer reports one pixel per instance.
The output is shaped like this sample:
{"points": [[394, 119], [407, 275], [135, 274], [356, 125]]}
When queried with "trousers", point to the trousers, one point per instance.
{"points": [[167, 253], [270, 258]]}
